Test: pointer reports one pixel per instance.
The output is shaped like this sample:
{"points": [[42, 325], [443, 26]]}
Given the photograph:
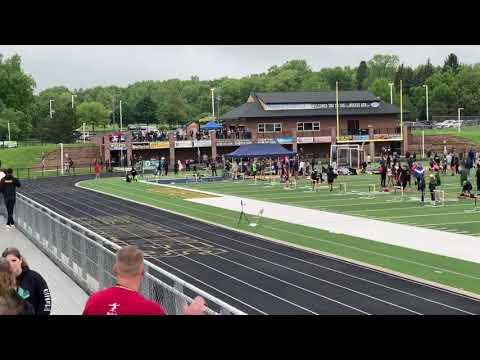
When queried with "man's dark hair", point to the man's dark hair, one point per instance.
{"points": [[10, 171]]}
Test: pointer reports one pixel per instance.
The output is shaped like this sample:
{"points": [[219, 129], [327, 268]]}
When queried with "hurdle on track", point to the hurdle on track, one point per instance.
{"points": [[371, 187], [398, 188], [439, 197], [342, 186]]}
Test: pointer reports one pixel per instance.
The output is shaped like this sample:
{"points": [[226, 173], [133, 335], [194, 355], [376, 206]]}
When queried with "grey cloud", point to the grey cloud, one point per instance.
{"points": [[87, 66]]}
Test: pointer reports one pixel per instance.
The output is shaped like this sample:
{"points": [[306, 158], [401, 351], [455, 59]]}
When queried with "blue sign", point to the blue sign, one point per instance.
{"points": [[360, 137], [285, 140]]}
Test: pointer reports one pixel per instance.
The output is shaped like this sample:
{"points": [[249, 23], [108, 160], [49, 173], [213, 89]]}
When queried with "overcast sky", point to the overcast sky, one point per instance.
{"points": [[87, 66]]}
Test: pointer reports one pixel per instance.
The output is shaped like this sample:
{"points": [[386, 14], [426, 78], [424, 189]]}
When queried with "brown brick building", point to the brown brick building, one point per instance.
{"points": [[308, 120]]}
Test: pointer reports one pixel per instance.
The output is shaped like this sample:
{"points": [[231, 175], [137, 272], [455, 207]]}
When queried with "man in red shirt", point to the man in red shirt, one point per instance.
{"points": [[124, 298]]}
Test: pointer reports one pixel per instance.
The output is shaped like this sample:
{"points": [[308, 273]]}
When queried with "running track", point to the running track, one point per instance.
{"points": [[254, 275]]}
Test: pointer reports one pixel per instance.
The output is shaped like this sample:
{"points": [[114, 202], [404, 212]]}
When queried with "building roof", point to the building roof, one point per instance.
{"points": [[260, 150], [314, 97], [256, 110]]}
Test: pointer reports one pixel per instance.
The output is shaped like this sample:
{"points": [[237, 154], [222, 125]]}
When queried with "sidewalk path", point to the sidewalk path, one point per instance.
{"points": [[67, 297], [438, 242]]}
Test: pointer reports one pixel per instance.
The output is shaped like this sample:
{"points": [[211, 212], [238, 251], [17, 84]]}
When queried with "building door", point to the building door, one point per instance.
{"points": [[353, 126]]}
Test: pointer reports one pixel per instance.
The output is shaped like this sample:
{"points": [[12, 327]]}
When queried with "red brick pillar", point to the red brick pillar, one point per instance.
{"points": [[171, 140], [129, 144], [333, 134], [294, 144], [213, 138], [106, 149]]}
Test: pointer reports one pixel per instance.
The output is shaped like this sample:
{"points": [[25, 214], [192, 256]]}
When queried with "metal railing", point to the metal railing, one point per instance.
{"points": [[88, 258]]}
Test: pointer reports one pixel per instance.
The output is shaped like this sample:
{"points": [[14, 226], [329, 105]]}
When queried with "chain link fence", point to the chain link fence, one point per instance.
{"points": [[88, 258]]}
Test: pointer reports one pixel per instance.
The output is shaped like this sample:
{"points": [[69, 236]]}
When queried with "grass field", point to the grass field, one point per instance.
{"points": [[470, 133], [26, 157], [453, 272], [456, 216]]}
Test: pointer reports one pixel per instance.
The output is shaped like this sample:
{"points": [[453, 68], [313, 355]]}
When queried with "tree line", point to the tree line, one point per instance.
{"points": [[176, 102]]}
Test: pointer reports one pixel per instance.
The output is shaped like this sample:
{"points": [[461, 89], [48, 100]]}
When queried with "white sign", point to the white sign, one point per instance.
{"points": [[324, 106], [202, 143], [183, 144], [314, 139]]}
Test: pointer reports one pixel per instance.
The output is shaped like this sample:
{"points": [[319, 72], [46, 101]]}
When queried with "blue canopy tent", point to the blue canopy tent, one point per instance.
{"points": [[211, 125], [260, 150]]}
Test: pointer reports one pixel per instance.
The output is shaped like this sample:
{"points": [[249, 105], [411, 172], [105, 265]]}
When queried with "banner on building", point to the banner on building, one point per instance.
{"points": [[118, 146], [183, 144], [139, 146], [285, 140], [160, 145], [360, 137], [202, 143]]}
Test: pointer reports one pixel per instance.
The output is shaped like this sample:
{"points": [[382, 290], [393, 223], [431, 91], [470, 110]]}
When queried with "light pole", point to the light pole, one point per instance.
{"points": [[8, 130], [73, 96], [121, 130], [218, 106], [459, 109], [423, 130], [391, 92], [51, 111], [426, 99], [213, 103]]}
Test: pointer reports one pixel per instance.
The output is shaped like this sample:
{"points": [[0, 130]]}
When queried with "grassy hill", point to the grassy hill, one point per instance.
{"points": [[469, 133], [27, 156]]}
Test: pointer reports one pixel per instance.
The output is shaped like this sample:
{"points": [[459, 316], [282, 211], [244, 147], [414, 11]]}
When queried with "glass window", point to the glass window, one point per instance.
{"points": [[278, 127], [307, 126], [269, 127], [261, 127], [299, 126], [316, 126]]}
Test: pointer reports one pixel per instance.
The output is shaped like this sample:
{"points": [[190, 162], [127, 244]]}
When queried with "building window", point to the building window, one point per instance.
{"points": [[308, 126], [270, 127]]}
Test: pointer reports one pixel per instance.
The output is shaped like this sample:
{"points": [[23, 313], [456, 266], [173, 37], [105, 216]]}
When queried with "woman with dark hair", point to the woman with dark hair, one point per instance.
{"points": [[10, 302], [30, 285]]}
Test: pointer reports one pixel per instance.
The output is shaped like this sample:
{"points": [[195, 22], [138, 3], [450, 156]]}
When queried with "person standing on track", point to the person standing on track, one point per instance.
{"points": [[8, 186], [97, 170], [124, 298]]}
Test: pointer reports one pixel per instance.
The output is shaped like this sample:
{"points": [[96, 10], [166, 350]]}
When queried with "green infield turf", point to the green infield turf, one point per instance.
{"points": [[457, 215], [441, 269]]}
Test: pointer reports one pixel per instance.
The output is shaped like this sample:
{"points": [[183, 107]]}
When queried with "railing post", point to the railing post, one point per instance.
{"points": [[57, 170]]}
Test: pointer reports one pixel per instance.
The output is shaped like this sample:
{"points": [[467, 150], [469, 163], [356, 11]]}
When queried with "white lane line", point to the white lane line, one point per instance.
{"points": [[284, 230], [173, 267], [401, 291], [252, 269]]}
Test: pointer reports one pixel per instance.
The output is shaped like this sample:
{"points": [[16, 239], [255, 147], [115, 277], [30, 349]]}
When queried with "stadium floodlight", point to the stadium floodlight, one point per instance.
{"points": [[426, 99], [51, 111], [213, 102], [73, 96], [391, 92]]}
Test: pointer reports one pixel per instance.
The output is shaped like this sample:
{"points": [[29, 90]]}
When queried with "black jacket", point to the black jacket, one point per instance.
{"points": [[33, 288], [8, 187]]}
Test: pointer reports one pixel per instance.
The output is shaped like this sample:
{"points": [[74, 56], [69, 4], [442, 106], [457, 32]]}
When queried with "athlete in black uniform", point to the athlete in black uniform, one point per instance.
{"points": [[8, 187]]}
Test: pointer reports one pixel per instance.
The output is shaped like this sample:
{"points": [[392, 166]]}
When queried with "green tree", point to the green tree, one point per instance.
{"points": [[20, 124], [362, 74], [451, 63], [382, 66], [16, 87], [146, 110], [59, 128], [381, 89], [93, 113]]}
